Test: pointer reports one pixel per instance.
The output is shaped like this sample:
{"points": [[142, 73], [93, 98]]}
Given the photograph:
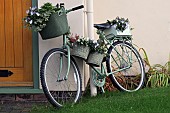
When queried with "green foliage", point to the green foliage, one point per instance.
{"points": [[168, 65], [120, 24], [78, 40], [147, 100], [98, 46], [157, 75], [37, 17], [146, 60], [95, 46]]}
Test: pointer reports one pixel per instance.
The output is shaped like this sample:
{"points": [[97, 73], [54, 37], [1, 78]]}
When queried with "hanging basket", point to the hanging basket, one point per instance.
{"points": [[95, 59], [80, 51], [56, 26]]}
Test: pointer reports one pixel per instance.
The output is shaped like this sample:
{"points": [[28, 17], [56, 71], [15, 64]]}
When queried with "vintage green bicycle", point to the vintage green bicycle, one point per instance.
{"points": [[60, 75]]}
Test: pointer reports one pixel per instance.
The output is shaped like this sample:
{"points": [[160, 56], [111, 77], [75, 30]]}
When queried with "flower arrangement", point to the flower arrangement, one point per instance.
{"points": [[37, 17], [98, 46], [119, 24], [95, 46], [80, 46], [98, 50], [79, 40]]}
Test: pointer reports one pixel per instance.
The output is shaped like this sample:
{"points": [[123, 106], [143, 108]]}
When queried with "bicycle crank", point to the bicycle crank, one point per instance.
{"points": [[97, 80]]}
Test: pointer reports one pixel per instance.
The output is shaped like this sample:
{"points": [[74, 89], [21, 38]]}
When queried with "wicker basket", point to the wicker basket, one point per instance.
{"points": [[95, 59], [80, 51], [56, 26]]}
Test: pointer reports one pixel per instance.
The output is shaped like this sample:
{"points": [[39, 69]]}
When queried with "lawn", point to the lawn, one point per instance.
{"points": [[148, 100]]}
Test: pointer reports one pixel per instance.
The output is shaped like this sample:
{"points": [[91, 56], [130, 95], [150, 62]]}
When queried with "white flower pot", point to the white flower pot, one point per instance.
{"points": [[111, 32]]}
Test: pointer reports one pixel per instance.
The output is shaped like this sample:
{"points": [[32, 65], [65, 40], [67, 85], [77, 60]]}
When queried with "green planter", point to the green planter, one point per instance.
{"points": [[80, 51], [95, 59], [56, 26]]}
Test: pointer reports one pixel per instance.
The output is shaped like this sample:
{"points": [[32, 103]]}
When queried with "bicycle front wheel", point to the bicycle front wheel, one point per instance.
{"points": [[59, 88], [126, 67]]}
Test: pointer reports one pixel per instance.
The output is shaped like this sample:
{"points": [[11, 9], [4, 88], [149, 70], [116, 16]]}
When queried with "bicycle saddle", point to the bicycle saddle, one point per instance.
{"points": [[102, 26]]}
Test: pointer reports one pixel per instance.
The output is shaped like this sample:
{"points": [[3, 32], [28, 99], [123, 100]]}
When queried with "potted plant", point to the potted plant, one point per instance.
{"points": [[119, 26], [80, 46], [97, 53], [50, 21]]}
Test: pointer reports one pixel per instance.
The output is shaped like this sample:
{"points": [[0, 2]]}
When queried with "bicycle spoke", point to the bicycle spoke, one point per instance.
{"points": [[127, 66], [58, 89]]}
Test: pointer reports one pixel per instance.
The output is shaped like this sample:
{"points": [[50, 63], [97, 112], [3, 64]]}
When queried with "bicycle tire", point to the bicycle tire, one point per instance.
{"points": [[132, 78], [60, 91]]}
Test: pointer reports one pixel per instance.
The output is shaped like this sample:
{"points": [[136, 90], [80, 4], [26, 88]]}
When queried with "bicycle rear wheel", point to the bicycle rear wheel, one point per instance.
{"points": [[124, 57], [58, 88]]}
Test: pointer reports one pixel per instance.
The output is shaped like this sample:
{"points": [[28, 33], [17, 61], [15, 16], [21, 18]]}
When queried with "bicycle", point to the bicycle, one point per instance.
{"points": [[65, 83]]}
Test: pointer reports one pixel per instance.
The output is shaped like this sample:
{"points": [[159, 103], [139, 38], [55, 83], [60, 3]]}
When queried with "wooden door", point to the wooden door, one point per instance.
{"points": [[15, 44]]}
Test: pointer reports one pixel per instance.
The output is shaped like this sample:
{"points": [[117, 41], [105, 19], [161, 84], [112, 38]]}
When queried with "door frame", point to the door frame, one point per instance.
{"points": [[35, 44], [35, 67]]}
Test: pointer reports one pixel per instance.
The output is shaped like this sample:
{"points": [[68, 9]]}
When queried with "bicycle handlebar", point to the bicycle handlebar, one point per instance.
{"points": [[75, 8]]}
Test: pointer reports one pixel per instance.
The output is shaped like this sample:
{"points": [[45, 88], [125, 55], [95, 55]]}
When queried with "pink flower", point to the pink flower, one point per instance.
{"points": [[77, 37], [73, 39]]}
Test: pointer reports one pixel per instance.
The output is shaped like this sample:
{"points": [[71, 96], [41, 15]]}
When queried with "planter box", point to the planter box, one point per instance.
{"points": [[80, 51], [95, 59], [111, 32]]}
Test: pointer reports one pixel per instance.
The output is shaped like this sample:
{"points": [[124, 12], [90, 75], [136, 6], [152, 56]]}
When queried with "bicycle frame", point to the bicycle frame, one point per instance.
{"points": [[102, 73], [68, 84], [109, 42], [65, 46]]}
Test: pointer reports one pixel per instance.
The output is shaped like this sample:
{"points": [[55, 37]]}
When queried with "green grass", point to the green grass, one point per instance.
{"points": [[156, 100]]}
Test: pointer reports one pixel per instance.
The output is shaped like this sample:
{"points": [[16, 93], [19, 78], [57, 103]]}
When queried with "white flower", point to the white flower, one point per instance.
{"points": [[97, 44], [127, 24], [122, 21], [31, 12], [78, 40], [38, 14], [30, 21], [94, 41], [33, 8], [115, 25]]}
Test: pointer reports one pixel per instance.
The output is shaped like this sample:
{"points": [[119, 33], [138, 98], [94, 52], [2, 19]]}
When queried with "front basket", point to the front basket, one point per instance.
{"points": [[56, 26]]}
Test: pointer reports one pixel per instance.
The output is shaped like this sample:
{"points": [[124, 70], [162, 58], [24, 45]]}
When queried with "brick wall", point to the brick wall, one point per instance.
{"points": [[23, 97]]}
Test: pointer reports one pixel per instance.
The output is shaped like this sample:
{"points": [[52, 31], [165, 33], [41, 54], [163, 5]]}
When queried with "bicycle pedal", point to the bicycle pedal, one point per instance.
{"points": [[61, 80]]}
